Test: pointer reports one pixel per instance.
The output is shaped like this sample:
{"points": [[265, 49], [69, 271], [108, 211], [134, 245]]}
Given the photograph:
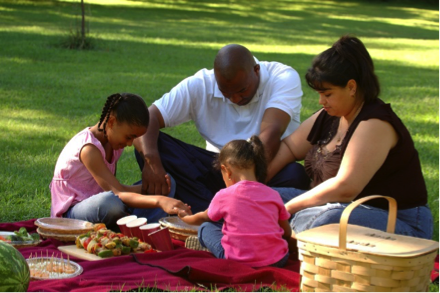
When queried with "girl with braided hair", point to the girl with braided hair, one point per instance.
{"points": [[84, 185], [246, 221]]}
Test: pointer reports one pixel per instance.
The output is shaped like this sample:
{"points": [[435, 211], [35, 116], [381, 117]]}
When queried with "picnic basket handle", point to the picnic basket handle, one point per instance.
{"points": [[392, 215]]}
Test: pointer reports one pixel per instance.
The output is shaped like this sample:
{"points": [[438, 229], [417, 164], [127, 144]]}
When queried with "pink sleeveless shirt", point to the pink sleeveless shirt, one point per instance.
{"points": [[72, 182]]}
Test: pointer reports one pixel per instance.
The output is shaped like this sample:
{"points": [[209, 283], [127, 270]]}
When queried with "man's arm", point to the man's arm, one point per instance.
{"points": [[153, 174], [273, 125]]}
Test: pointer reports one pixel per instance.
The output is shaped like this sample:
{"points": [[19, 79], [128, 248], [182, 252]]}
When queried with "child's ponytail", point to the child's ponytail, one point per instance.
{"points": [[259, 158], [244, 154]]}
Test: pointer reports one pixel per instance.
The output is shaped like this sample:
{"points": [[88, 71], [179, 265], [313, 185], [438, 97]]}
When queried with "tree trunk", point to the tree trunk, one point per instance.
{"points": [[83, 25]]}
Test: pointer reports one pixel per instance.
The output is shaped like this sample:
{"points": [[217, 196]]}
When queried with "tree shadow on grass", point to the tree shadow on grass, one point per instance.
{"points": [[287, 22], [149, 48]]}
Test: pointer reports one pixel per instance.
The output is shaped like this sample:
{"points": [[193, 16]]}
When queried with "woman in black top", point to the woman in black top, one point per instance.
{"points": [[354, 147]]}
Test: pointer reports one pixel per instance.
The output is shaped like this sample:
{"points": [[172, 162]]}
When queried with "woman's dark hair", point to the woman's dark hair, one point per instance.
{"points": [[243, 154], [346, 59], [126, 107]]}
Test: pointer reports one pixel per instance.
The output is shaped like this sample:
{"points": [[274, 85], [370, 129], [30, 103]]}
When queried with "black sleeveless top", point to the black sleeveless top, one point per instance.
{"points": [[399, 177]]}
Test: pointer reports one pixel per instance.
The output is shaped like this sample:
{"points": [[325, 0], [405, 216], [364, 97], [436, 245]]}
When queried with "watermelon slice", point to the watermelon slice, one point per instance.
{"points": [[14, 270]]}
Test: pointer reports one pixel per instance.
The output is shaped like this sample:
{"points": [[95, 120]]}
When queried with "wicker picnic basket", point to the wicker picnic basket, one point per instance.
{"points": [[364, 259]]}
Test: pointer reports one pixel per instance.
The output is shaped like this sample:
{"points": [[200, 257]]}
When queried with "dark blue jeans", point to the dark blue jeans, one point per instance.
{"points": [[197, 181]]}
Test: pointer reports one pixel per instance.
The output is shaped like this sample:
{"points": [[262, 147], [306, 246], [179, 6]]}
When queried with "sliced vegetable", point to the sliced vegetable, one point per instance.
{"points": [[106, 243], [91, 245], [133, 243], [99, 226], [86, 242], [105, 253], [125, 250]]}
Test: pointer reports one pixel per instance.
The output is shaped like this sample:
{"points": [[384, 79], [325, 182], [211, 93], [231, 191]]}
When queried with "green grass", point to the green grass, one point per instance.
{"points": [[48, 94]]}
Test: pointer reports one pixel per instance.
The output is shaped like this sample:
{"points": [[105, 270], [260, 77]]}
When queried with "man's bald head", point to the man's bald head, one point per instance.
{"points": [[233, 58], [237, 74]]}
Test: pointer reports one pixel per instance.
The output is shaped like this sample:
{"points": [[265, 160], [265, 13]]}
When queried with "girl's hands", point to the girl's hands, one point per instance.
{"points": [[172, 205], [196, 219], [182, 214]]}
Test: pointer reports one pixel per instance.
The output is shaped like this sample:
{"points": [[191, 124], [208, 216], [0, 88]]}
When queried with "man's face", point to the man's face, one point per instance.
{"points": [[242, 88]]}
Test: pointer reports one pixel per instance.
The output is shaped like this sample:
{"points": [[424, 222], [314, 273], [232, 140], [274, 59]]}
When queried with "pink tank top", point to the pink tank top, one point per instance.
{"points": [[72, 182]]}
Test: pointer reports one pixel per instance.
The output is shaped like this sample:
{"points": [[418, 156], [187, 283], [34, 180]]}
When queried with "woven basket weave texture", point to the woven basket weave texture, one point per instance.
{"points": [[333, 272], [365, 259]]}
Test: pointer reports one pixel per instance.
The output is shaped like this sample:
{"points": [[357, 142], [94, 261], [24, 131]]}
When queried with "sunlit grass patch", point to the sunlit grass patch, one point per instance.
{"points": [[47, 94]]}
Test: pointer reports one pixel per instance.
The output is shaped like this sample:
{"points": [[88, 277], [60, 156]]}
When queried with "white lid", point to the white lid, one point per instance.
{"points": [[137, 222], [126, 219], [149, 226]]}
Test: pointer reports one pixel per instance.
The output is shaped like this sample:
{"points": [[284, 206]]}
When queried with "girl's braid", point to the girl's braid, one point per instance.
{"points": [[111, 102]]}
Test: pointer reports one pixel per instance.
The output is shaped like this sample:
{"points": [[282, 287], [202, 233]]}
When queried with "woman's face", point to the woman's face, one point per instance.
{"points": [[338, 101]]}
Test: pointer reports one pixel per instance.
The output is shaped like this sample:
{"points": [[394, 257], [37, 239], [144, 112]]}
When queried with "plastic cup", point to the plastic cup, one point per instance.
{"points": [[122, 222], [133, 227], [162, 239], [147, 229]]}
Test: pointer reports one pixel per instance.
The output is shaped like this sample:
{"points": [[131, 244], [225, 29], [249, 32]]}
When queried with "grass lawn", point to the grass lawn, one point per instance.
{"points": [[48, 94]]}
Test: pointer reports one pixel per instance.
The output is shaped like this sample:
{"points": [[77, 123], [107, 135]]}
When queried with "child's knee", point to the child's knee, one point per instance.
{"points": [[111, 207]]}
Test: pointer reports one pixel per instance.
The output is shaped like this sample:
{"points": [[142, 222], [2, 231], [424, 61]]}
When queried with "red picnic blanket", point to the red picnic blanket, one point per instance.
{"points": [[178, 270]]}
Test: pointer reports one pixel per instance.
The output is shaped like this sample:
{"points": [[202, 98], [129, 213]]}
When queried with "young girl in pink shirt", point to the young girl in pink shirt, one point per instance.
{"points": [[246, 221], [84, 185]]}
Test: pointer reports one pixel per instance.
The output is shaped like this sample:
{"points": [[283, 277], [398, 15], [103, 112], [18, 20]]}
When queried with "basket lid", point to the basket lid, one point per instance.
{"points": [[367, 240]]}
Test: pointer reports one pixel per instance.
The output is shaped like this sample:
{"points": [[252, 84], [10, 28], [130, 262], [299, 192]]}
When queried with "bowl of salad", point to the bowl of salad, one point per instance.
{"points": [[20, 238]]}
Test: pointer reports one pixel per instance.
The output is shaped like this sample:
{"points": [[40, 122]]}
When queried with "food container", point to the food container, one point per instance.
{"points": [[62, 229], [179, 229], [45, 268], [161, 240], [147, 229], [364, 259], [122, 222], [133, 227], [18, 244]]}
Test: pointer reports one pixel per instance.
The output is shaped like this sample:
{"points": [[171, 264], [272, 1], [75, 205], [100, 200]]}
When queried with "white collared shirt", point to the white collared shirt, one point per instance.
{"points": [[217, 119]]}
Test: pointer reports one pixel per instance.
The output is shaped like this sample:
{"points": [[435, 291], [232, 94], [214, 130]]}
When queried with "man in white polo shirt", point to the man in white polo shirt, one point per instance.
{"points": [[240, 97]]}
